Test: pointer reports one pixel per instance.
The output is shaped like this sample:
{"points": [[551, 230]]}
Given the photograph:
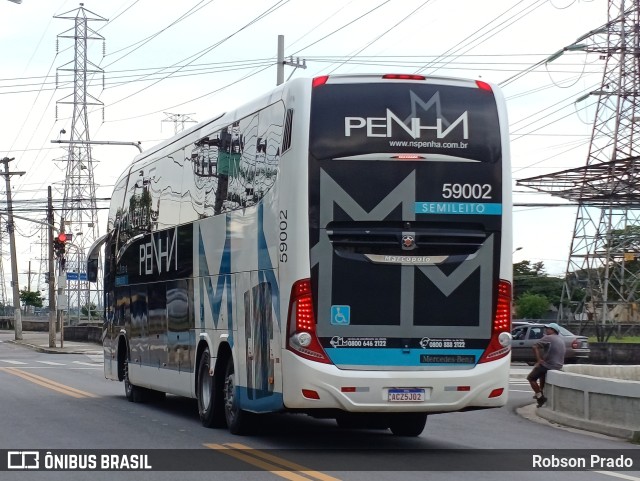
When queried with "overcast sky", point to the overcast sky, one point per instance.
{"points": [[200, 58]]}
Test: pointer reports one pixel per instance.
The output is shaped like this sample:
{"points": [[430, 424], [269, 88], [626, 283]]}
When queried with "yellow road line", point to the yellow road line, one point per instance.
{"points": [[257, 458], [48, 383], [283, 462]]}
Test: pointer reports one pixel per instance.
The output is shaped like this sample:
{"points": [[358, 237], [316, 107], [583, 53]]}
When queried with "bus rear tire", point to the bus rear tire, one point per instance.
{"points": [[134, 394], [407, 424], [209, 398], [237, 420]]}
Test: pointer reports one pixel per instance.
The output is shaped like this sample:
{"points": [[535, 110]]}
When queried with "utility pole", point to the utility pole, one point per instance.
{"points": [[62, 301], [282, 62], [52, 275], [12, 244], [29, 278]]}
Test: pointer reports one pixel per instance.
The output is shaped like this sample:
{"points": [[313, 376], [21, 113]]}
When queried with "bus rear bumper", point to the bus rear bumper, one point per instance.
{"points": [[309, 385]]}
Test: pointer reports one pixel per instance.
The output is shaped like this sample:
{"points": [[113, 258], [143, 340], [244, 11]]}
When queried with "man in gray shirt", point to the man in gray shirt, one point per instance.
{"points": [[549, 353]]}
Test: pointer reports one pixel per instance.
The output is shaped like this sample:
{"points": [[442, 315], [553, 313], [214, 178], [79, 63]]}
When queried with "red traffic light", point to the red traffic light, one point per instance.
{"points": [[62, 237]]}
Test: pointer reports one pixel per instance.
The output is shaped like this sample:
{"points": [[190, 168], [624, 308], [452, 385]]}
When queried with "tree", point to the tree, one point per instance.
{"points": [[89, 307], [30, 298], [531, 306], [531, 278]]}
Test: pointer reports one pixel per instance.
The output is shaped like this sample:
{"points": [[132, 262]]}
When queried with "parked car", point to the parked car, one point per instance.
{"points": [[525, 334]]}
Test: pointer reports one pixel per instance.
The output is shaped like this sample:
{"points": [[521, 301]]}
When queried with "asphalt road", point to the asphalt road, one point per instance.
{"points": [[56, 402]]}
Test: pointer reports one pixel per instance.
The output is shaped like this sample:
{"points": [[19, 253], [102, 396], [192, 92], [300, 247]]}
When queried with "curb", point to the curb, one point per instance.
{"points": [[534, 414], [49, 350]]}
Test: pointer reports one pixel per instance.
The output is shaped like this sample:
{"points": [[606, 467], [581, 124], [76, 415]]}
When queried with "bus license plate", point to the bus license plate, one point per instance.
{"points": [[406, 395]]}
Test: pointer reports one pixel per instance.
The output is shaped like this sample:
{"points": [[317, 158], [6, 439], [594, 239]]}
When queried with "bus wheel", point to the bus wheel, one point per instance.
{"points": [[407, 424], [209, 398], [156, 396], [133, 393], [237, 419]]}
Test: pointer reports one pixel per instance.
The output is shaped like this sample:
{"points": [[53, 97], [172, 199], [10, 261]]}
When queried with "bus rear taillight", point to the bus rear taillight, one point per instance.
{"points": [[408, 157], [301, 325], [484, 86], [500, 343], [404, 76], [316, 82]]}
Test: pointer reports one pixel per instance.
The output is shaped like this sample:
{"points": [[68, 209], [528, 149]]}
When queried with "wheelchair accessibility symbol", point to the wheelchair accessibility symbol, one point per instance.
{"points": [[340, 315]]}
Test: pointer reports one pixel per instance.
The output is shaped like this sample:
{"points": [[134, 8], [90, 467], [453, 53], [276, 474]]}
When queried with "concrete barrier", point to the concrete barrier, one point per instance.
{"points": [[614, 353], [83, 333], [602, 399], [86, 332]]}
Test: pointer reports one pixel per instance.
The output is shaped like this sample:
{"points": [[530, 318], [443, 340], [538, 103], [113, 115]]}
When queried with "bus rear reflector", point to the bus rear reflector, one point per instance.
{"points": [[301, 324], [501, 324], [310, 394], [496, 393], [404, 76]]}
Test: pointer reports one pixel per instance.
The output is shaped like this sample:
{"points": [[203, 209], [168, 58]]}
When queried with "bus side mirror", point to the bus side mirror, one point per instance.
{"points": [[92, 270]]}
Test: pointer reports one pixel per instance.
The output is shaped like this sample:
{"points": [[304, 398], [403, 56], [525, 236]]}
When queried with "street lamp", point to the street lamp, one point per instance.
{"points": [[516, 250]]}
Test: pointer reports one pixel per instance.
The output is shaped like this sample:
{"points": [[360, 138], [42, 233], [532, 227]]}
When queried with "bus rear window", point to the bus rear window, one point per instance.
{"points": [[387, 118]]}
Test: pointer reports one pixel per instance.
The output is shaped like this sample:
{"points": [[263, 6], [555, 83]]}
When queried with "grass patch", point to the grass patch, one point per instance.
{"points": [[622, 340]]}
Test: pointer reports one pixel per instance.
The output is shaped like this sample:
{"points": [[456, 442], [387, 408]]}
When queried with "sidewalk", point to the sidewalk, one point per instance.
{"points": [[39, 341]]}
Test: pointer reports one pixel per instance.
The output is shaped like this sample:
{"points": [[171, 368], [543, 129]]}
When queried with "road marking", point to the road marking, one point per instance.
{"points": [[51, 363], [48, 383], [618, 475], [17, 363], [92, 364], [274, 465]]}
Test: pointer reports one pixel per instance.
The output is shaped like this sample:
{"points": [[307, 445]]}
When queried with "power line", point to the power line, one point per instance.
{"points": [[208, 49]]}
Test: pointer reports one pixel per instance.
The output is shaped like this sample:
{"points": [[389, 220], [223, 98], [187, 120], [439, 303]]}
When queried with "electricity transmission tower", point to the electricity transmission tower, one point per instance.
{"points": [[602, 285], [178, 121], [79, 209]]}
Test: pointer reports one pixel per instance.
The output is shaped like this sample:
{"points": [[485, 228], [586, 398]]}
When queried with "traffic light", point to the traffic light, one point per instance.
{"points": [[59, 244]]}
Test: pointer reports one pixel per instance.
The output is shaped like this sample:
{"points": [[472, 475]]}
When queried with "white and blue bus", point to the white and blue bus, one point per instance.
{"points": [[339, 247]]}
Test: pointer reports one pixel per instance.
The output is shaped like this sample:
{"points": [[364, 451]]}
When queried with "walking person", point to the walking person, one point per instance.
{"points": [[549, 351]]}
